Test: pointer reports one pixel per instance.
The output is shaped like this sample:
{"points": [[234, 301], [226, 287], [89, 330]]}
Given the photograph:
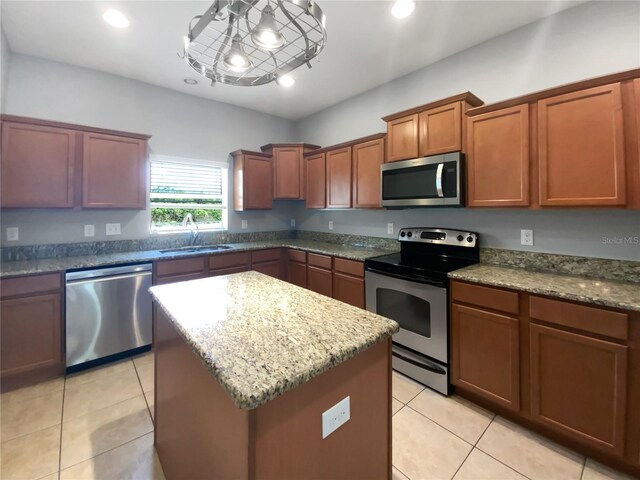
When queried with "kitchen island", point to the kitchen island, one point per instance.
{"points": [[245, 367]]}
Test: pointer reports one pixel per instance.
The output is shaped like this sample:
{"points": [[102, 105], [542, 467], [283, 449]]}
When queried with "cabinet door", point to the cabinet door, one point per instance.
{"points": [[316, 184], [402, 138], [268, 268], [37, 166], [258, 183], [114, 172], [367, 159], [581, 148], [579, 386], [441, 129], [348, 289], [288, 178], [339, 178], [319, 280], [297, 274], [498, 158], [485, 355], [30, 334]]}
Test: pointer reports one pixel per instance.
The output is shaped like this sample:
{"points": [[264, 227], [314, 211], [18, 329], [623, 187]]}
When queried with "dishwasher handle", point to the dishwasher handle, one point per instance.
{"points": [[109, 278], [108, 272]]}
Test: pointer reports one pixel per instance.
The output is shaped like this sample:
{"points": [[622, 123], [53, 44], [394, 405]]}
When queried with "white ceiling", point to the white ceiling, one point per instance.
{"points": [[366, 46]]}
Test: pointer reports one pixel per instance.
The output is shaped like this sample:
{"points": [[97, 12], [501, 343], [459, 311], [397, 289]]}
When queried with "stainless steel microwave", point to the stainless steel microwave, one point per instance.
{"points": [[432, 181]]}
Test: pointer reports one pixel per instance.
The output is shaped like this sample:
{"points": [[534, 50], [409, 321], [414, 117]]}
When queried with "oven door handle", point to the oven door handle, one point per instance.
{"points": [[426, 364], [435, 283]]}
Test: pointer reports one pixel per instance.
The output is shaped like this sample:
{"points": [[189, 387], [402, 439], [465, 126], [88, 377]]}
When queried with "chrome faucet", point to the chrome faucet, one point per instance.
{"points": [[193, 235]]}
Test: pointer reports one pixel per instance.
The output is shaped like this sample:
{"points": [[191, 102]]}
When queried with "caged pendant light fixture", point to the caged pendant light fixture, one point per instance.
{"points": [[254, 42]]}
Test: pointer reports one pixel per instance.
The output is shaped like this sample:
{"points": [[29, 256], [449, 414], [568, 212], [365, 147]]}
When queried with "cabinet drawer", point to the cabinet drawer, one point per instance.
{"points": [[590, 319], [297, 256], [265, 255], [31, 284], [494, 298], [180, 267], [229, 260], [350, 267], [179, 278], [322, 261]]}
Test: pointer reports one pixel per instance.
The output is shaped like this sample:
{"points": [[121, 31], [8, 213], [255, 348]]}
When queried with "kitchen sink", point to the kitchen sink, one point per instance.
{"points": [[197, 248]]}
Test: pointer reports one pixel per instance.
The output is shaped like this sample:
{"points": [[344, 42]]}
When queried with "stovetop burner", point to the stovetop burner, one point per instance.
{"points": [[428, 254]]}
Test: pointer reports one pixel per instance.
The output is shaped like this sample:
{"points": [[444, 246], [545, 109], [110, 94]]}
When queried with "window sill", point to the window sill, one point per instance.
{"points": [[185, 230]]}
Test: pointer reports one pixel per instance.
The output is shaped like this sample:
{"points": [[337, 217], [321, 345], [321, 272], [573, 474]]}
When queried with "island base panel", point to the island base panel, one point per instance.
{"points": [[201, 434]]}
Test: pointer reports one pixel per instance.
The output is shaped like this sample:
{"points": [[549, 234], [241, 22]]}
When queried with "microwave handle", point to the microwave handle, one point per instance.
{"points": [[439, 180]]}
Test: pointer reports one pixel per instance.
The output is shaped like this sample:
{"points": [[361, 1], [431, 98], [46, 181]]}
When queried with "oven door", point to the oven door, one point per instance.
{"points": [[420, 309]]}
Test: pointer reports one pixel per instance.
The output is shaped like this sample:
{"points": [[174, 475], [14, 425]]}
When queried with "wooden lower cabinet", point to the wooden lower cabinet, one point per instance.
{"points": [[348, 289], [31, 331], [319, 280], [568, 370], [268, 262], [179, 270], [579, 385], [485, 355]]}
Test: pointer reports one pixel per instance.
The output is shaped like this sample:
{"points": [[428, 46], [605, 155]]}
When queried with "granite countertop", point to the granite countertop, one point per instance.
{"points": [[623, 295], [12, 269], [261, 337]]}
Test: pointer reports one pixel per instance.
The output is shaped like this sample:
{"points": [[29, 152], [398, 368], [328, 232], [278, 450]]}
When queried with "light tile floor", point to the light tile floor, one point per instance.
{"points": [[98, 424]]}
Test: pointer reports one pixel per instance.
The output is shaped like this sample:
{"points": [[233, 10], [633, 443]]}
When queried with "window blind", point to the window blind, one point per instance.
{"points": [[172, 179]]}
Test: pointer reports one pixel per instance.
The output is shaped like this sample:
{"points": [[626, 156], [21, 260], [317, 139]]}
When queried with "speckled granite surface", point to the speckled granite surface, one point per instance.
{"points": [[601, 268], [10, 269], [261, 337], [624, 295]]}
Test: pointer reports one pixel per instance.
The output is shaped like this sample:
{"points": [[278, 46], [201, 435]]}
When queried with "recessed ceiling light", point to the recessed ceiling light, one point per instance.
{"points": [[403, 8], [286, 81], [190, 81], [115, 18]]}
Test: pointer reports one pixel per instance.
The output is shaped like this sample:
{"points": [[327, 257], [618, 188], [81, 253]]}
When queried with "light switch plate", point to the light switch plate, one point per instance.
{"points": [[293, 222], [330, 225], [526, 237], [390, 228], [243, 224], [336, 416], [13, 234], [89, 230], [112, 229]]}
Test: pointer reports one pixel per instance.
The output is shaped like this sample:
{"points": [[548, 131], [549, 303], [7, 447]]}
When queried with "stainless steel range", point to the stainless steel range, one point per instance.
{"points": [[411, 287]]}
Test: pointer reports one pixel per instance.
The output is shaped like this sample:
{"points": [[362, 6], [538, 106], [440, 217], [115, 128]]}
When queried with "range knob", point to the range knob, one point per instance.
{"points": [[402, 234], [469, 239], [460, 238], [409, 234]]}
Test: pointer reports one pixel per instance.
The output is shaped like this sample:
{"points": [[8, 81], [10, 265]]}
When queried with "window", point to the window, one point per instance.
{"points": [[182, 186]]}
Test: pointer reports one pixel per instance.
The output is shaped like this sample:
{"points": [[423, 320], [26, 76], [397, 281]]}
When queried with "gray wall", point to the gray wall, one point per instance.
{"points": [[589, 40], [4, 69], [181, 125]]}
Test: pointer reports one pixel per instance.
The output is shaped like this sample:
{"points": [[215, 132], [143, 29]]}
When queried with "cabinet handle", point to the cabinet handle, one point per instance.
{"points": [[439, 179]]}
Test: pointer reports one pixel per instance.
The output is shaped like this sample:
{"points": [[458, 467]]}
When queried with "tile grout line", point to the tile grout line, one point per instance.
{"points": [[431, 420], [584, 465], [64, 394], [473, 447], [144, 395]]}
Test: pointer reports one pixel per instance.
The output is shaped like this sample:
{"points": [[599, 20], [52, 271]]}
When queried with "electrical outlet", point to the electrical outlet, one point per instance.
{"points": [[113, 229], [330, 225], [292, 222], [335, 417], [526, 237], [89, 230], [243, 224], [390, 228], [13, 234]]}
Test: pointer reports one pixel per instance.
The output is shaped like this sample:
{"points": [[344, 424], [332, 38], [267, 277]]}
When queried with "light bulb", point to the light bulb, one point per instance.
{"points": [[115, 18], [266, 35], [235, 59], [286, 81], [403, 8]]}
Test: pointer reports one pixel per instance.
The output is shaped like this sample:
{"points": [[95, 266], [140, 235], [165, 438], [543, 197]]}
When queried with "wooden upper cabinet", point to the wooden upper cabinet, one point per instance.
{"points": [[402, 138], [498, 158], [316, 181], [37, 166], [440, 130], [289, 178], [367, 159], [252, 180], [114, 172], [339, 178], [581, 148], [579, 386]]}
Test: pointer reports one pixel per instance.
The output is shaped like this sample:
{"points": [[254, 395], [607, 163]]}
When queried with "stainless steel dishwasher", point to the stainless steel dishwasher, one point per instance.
{"points": [[108, 312]]}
